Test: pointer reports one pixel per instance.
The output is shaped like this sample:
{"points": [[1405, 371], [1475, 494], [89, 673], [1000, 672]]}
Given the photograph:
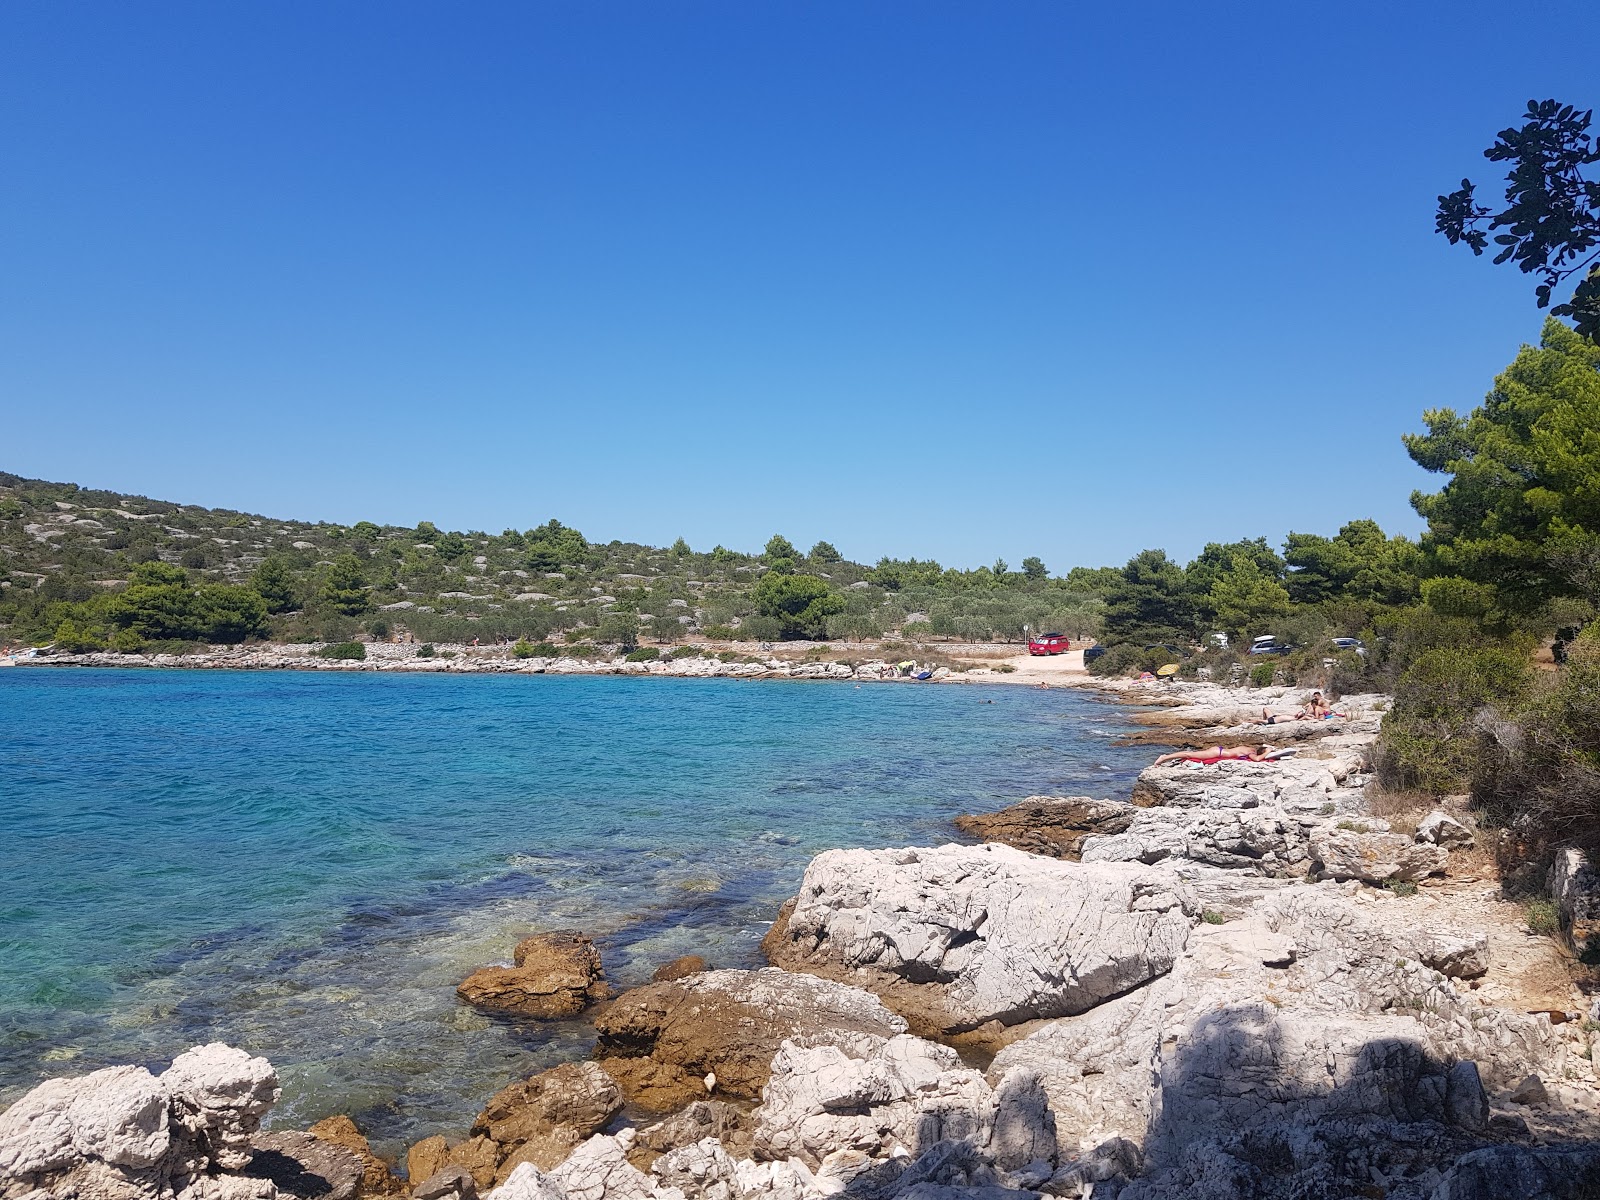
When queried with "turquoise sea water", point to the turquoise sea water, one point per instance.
{"points": [[306, 864]]}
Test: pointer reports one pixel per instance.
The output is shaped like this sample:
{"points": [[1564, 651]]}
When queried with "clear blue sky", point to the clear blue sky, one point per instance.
{"points": [[938, 279]]}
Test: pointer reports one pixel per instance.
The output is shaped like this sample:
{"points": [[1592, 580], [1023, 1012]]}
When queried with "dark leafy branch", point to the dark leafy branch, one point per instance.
{"points": [[1551, 221]]}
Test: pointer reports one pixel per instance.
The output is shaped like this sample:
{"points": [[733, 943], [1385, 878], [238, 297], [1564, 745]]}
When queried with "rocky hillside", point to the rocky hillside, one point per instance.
{"points": [[62, 545]]}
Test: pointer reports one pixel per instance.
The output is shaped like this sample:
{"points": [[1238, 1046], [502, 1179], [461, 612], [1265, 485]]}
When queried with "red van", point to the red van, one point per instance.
{"points": [[1049, 643]]}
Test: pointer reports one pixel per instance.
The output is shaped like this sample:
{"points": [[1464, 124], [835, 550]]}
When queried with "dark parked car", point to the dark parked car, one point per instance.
{"points": [[1092, 653], [1355, 644], [1269, 644]]}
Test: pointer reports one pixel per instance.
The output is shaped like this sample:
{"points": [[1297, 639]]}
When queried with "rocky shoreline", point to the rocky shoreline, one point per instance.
{"points": [[1239, 982], [499, 660]]}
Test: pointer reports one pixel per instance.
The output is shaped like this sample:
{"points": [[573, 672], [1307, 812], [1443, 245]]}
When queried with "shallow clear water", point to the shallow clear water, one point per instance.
{"points": [[306, 864]]}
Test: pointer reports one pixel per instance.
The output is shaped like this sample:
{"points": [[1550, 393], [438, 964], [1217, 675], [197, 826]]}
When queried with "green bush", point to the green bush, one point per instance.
{"points": [[125, 641], [666, 627], [687, 652], [1431, 737], [526, 649], [800, 605], [1261, 674], [76, 639], [643, 654], [344, 587], [343, 650], [1537, 769], [618, 628], [425, 650], [523, 649], [1543, 917], [720, 633], [761, 629]]}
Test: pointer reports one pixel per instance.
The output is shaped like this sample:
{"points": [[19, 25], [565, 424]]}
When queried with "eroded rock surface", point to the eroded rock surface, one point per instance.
{"points": [[956, 937], [543, 1118], [662, 1041], [124, 1134], [553, 975], [1054, 826], [1375, 857]]}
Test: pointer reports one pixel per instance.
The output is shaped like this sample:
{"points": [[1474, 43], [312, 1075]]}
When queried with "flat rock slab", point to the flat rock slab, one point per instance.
{"points": [[1054, 826], [957, 937]]}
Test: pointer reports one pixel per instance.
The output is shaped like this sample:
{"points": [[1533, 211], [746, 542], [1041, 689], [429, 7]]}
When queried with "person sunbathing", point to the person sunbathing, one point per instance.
{"points": [[1314, 709], [1216, 754]]}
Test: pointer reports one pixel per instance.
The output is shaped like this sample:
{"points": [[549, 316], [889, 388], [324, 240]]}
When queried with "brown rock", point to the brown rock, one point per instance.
{"points": [[479, 1156], [556, 975], [680, 968], [659, 1042], [377, 1179], [1054, 826], [427, 1157], [653, 1086], [450, 1183], [729, 1124], [542, 1118], [304, 1166]]}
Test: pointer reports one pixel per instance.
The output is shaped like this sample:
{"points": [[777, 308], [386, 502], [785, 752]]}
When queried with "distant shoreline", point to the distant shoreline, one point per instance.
{"points": [[392, 658]]}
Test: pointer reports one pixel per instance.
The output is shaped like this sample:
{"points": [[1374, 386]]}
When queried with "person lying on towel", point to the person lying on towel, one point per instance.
{"points": [[1216, 754]]}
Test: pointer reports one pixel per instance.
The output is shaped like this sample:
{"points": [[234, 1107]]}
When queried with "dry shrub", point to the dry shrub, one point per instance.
{"points": [[1538, 773], [1403, 808]]}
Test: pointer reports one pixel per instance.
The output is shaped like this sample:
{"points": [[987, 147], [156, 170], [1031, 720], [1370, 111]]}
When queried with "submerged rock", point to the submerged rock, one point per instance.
{"points": [[679, 968]]}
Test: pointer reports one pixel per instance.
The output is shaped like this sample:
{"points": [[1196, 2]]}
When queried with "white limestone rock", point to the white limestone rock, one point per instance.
{"points": [[599, 1170], [527, 1182], [123, 1134], [117, 1116], [1264, 840], [1575, 888], [219, 1095], [983, 933], [702, 1170], [1375, 857], [1441, 829], [904, 1097]]}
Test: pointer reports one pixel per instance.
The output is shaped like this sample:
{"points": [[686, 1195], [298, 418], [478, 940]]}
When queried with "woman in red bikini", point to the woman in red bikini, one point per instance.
{"points": [[1216, 754]]}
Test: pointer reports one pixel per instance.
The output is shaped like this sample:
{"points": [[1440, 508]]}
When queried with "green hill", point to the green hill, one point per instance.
{"points": [[88, 568]]}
